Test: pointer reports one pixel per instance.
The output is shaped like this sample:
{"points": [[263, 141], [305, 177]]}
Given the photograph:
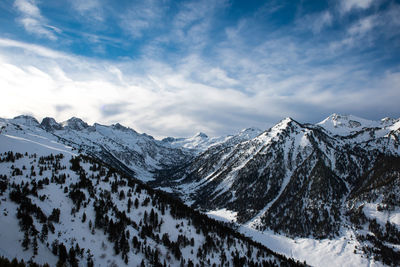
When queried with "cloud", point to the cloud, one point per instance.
{"points": [[33, 21], [141, 16], [242, 82], [373, 30], [363, 26], [348, 5], [90, 9], [62, 108], [111, 110], [315, 22], [35, 49]]}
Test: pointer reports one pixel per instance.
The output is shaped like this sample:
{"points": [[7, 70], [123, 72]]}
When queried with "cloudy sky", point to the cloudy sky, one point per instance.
{"points": [[174, 68]]}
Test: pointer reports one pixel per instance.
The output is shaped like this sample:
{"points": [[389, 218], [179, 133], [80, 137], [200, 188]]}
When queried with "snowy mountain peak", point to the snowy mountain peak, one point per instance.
{"points": [[75, 124], [285, 123], [249, 133], [249, 130], [346, 124], [201, 135], [120, 127], [25, 120], [50, 124]]}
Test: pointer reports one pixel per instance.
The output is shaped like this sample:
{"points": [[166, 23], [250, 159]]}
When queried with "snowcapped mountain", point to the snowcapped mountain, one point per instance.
{"points": [[67, 210], [201, 142], [335, 183], [124, 148], [301, 180], [345, 125], [139, 154]]}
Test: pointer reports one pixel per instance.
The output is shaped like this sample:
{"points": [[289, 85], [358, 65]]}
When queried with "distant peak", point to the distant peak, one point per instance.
{"points": [[250, 129], [50, 124], [285, 122], [26, 120], [249, 133], [201, 135], [75, 124], [119, 126], [343, 117], [346, 124], [168, 139], [337, 117], [287, 119]]}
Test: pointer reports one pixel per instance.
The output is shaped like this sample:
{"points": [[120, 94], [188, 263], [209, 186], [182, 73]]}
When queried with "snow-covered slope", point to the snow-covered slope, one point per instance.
{"points": [[297, 179], [139, 154], [23, 131], [59, 208], [348, 124], [328, 181]]}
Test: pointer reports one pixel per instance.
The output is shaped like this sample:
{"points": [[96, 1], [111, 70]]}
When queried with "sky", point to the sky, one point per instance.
{"points": [[174, 68]]}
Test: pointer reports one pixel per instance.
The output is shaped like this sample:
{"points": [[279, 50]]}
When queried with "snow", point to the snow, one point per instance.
{"points": [[201, 142], [42, 148], [118, 140], [347, 124], [223, 215], [10, 237], [371, 211], [325, 252]]}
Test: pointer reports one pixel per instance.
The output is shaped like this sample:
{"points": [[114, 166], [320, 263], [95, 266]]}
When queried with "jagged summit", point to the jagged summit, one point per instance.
{"points": [[50, 124], [288, 121], [26, 120], [250, 129], [346, 124], [201, 135], [75, 123], [120, 127], [286, 125]]}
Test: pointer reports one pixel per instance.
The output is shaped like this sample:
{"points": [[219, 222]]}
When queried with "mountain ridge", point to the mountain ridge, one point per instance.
{"points": [[297, 179]]}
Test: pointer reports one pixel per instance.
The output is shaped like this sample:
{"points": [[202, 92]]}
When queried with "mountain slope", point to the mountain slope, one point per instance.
{"points": [[59, 207], [124, 148], [297, 179], [337, 180]]}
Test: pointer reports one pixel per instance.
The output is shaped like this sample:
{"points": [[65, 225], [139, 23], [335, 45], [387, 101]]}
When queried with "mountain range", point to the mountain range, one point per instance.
{"points": [[335, 180]]}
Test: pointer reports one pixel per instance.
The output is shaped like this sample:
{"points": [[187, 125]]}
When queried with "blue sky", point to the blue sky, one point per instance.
{"points": [[173, 68]]}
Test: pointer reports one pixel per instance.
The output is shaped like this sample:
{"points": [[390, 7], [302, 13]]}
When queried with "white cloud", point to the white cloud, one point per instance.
{"points": [[35, 49], [254, 88], [322, 20], [315, 22], [363, 26], [33, 21], [91, 9], [348, 5], [193, 22], [141, 16]]}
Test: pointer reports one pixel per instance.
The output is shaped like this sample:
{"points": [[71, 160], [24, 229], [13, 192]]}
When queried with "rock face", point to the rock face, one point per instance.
{"points": [[50, 124]]}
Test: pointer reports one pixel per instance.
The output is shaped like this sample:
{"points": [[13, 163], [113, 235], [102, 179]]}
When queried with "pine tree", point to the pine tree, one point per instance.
{"points": [[44, 232], [35, 245], [26, 241]]}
